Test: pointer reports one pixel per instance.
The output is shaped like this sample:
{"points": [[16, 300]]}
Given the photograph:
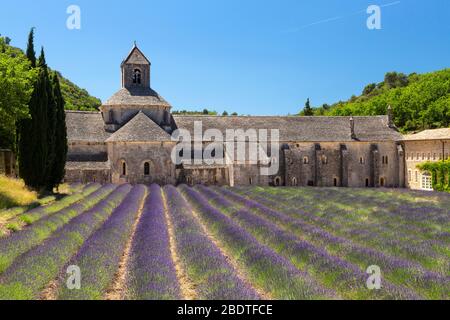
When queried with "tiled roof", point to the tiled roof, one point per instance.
{"points": [[81, 165], [138, 96], [293, 128], [142, 129], [85, 126], [433, 134]]}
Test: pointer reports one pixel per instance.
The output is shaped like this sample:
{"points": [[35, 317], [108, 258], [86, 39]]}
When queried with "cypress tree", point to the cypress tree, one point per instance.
{"points": [[31, 54], [308, 110], [57, 172], [50, 109], [24, 127], [34, 149]]}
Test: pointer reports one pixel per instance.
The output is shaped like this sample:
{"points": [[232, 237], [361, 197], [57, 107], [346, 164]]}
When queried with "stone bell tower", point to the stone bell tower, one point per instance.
{"points": [[135, 70]]}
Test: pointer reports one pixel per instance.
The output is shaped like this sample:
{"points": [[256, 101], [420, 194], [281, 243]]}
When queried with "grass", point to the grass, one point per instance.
{"points": [[13, 193]]}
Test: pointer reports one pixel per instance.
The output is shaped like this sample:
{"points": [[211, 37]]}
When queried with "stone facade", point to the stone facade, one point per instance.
{"points": [[130, 141], [429, 145]]}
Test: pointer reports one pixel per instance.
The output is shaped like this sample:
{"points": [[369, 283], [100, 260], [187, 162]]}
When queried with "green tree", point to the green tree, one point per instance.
{"points": [[308, 111], [16, 86], [57, 172], [225, 113], [33, 148], [369, 89], [31, 54]]}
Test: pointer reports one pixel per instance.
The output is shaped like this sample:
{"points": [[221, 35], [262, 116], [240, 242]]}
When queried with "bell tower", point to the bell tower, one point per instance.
{"points": [[135, 70]]}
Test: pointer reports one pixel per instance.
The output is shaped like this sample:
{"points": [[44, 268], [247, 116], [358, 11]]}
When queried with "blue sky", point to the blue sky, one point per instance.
{"points": [[249, 56]]}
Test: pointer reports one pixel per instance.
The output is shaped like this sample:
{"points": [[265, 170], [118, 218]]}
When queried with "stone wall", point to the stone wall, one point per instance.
{"points": [[135, 155], [354, 164], [418, 152], [87, 151], [87, 175]]}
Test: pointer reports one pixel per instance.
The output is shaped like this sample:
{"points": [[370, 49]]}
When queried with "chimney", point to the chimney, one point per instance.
{"points": [[352, 128], [390, 115]]}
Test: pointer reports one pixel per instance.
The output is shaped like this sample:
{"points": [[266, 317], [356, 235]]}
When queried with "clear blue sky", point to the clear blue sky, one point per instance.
{"points": [[250, 56]]}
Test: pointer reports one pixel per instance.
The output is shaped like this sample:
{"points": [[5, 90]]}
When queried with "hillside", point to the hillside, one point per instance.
{"points": [[419, 101], [77, 98]]}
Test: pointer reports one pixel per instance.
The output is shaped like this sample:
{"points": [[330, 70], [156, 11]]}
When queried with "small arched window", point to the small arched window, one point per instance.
{"points": [[137, 76], [324, 160], [305, 160], [124, 168], [146, 169], [361, 160], [294, 182], [277, 181], [250, 181]]}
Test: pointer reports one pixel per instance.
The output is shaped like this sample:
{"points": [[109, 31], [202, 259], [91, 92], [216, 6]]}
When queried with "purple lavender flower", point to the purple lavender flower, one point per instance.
{"points": [[152, 274]]}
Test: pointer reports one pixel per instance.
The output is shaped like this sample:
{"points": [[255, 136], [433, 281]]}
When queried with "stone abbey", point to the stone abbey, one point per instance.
{"points": [[130, 140]]}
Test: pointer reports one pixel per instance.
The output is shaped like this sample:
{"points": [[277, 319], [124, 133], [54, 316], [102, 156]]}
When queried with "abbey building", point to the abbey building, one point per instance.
{"points": [[130, 140]]}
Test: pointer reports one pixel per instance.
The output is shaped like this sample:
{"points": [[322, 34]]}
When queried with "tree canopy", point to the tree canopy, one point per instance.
{"points": [[418, 101], [16, 86]]}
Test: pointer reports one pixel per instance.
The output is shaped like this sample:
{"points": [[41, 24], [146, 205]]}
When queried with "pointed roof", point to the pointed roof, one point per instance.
{"points": [[140, 129], [136, 56]]}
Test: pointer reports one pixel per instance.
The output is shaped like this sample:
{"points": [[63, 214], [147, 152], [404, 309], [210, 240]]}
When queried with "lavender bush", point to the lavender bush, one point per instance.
{"points": [[33, 270], [100, 254], [151, 273], [24, 240], [269, 270], [203, 261]]}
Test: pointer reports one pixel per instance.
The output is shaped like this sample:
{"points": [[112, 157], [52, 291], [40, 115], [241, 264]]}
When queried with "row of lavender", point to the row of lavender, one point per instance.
{"points": [[42, 259], [385, 228], [265, 268], [347, 278], [397, 270]]}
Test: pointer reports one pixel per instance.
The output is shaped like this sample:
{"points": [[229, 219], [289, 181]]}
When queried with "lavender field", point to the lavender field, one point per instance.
{"points": [[158, 243]]}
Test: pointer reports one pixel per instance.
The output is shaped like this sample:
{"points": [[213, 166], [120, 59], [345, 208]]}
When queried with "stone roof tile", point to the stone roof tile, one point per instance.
{"points": [[84, 126], [293, 128], [140, 129], [138, 96], [433, 134]]}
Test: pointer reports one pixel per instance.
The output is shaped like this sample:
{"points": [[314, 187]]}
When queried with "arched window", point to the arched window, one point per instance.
{"points": [[294, 182], [409, 175], [147, 169], [324, 160], [361, 160], [137, 76], [382, 182], [250, 181], [124, 168], [305, 160], [277, 181]]}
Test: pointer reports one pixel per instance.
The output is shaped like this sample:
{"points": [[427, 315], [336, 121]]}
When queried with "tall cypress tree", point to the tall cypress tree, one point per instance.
{"points": [[50, 109], [57, 172], [24, 127], [34, 149], [31, 54]]}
